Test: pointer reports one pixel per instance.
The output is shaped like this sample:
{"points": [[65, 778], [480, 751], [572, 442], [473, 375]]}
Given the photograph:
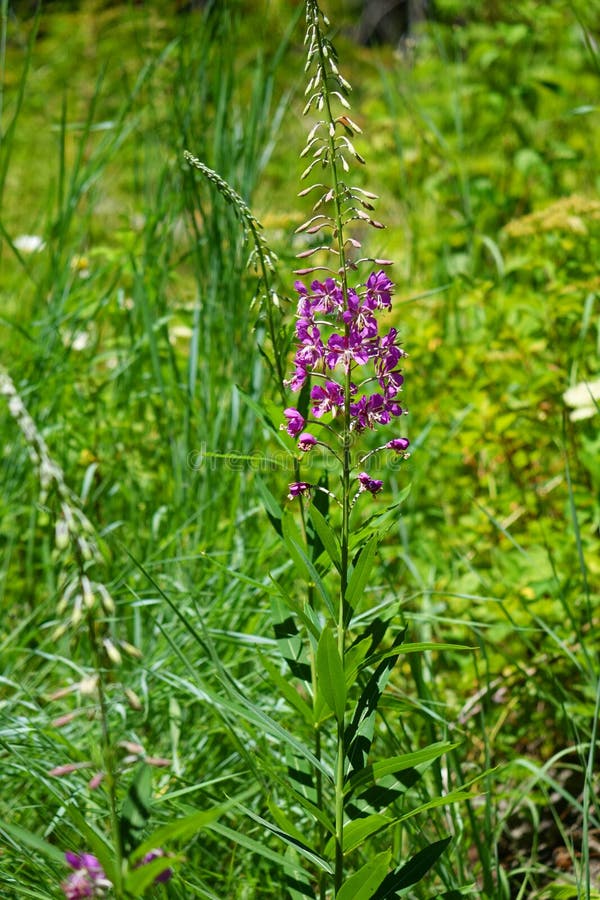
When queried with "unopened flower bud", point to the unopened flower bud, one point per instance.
{"points": [[64, 720], [76, 613], [157, 761], [108, 604], [132, 747], [88, 685], [96, 781], [88, 594], [68, 769], [133, 699], [112, 652], [61, 534], [130, 649]]}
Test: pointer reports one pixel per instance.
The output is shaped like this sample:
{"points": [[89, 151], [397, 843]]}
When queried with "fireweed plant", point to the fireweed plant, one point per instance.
{"points": [[121, 859], [343, 805]]}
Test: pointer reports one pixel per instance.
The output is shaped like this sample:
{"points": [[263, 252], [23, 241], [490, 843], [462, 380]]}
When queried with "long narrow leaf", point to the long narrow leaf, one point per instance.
{"points": [[363, 884]]}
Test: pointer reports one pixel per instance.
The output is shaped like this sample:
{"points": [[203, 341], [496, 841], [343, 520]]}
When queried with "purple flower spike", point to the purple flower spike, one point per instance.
{"points": [[295, 421], [398, 444], [306, 441], [298, 489], [373, 485]]}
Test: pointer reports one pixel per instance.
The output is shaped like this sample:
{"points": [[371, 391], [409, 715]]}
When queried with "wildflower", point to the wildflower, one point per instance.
{"points": [[297, 380], [345, 350], [327, 399], [379, 288], [29, 243], [163, 876], [306, 441], [584, 399], [398, 444], [298, 489], [88, 878], [295, 421], [373, 485]]}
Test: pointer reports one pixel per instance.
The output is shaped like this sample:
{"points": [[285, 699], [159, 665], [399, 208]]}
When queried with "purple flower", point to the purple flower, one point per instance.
{"points": [[359, 316], [78, 885], [388, 352], [295, 421], [328, 296], [369, 412], [337, 327], [306, 441], [296, 382], [391, 383], [88, 879], [398, 444], [327, 399], [166, 873], [379, 288], [298, 489], [373, 485], [346, 349], [311, 347]]}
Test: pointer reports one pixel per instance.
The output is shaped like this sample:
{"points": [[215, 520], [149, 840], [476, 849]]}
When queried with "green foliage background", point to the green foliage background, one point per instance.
{"points": [[128, 333]]}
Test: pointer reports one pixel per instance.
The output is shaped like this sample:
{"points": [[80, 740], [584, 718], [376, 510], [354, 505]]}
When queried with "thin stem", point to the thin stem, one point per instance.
{"points": [[108, 761], [346, 468]]}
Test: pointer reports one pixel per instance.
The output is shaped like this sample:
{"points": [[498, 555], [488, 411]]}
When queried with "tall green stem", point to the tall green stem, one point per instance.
{"points": [[346, 469], [108, 762]]}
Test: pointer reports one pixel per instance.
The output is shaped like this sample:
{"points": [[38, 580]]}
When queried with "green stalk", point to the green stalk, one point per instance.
{"points": [[345, 477], [108, 762]]}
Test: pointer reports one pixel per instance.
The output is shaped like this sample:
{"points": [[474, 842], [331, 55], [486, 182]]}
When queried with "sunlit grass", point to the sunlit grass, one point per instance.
{"points": [[128, 330]]}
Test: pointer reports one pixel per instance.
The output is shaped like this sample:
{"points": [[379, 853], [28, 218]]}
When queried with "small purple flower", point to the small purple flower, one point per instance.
{"points": [[306, 441], [78, 885], [398, 444], [360, 317], [346, 350], [328, 296], [391, 383], [388, 352], [295, 421], [327, 399], [88, 879], [373, 485], [369, 412], [298, 489], [163, 876], [379, 288], [296, 382], [311, 348]]}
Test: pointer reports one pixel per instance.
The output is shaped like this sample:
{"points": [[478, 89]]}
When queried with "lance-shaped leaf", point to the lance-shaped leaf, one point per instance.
{"points": [[293, 542], [330, 674], [272, 507], [327, 535], [363, 884], [136, 808], [412, 871], [361, 573], [290, 642], [287, 690], [299, 845], [357, 831], [369, 775], [359, 734]]}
